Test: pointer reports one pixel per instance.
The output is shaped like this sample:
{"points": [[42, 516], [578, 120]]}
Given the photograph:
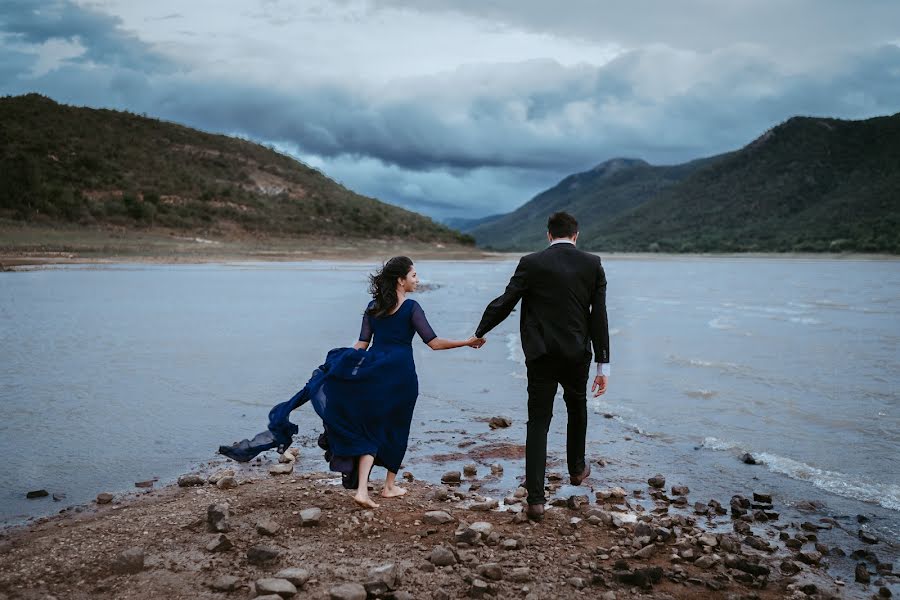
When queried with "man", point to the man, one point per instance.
{"points": [[563, 293]]}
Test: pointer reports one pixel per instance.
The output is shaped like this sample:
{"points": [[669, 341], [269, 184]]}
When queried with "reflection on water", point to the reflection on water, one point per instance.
{"points": [[118, 374]]}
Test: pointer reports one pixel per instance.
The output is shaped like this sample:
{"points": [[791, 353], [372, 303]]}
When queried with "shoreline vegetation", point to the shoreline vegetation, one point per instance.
{"points": [[227, 530], [24, 246]]}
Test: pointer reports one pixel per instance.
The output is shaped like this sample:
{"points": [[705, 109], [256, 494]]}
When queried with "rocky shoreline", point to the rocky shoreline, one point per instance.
{"points": [[263, 530]]}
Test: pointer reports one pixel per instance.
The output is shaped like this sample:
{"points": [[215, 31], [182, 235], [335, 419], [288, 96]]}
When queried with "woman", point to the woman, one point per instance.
{"points": [[367, 399]]}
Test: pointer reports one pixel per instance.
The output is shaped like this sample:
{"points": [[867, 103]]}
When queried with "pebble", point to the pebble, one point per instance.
{"points": [[219, 543], [483, 528], [282, 469], [190, 480], [225, 583], [104, 498], [680, 490], [274, 585], [499, 422], [297, 576], [510, 544], [129, 561], [226, 483], [261, 554], [470, 470], [862, 573], [520, 575], [382, 579], [479, 589], [657, 481], [489, 504], [310, 517], [491, 571], [441, 556], [347, 591], [496, 469], [437, 517], [215, 477], [451, 477], [267, 527]]}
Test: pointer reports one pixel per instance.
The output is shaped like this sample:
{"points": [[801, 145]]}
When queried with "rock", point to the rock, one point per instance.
{"points": [[496, 469], [884, 592], [520, 575], [261, 554], [657, 481], [440, 594], [190, 480], [268, 597], [219, 543], [451, 477], [748, 459], [491, 571], [297, 576], [441, 556], [680, 490], [640, 577], [440, 494], [282, 469], [274, 585], [793, 543], [310, 517], [470, 470], [862, 573], [646, 552], [499, 422], [789, 568], [466, 535], [483, 528], [39, 494], [520, 492], [762, 498], [129, 561], [267, 527], [809, 558], [215, 477], [742, 564], [708, 539], [706, 561], [104, 498], [700, 508], [217, 518], [510, 544], [347, 591], [610, 595], [867, 537], [807, 526], [479, 589], [144, 484], [488, 504], [757, 543], [227, 483], [437, 517], [286, 458], [382, 580], [58, 496], [577, 501], [576, 582], [225, 583]]}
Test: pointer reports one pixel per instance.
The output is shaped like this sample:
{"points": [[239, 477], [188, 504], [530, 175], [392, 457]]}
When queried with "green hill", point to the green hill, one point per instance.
{"points": [[809, 184], [63, 164]]}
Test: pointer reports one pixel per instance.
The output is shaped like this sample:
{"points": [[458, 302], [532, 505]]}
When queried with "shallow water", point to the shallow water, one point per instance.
{"points": [[111, 375]]}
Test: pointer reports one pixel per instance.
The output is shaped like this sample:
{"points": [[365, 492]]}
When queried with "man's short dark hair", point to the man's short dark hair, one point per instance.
{"points": [[562, 225]]}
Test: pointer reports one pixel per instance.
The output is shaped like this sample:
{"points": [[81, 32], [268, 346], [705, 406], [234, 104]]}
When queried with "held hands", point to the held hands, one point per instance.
{"points": [[475, 342], [599, 387]]}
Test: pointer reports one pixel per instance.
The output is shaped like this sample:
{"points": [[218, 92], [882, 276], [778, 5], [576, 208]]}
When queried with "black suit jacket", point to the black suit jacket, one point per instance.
{"points": [[563, 293]]}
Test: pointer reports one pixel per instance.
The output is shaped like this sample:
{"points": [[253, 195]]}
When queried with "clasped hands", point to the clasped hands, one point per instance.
{"points": [[475, 342]]}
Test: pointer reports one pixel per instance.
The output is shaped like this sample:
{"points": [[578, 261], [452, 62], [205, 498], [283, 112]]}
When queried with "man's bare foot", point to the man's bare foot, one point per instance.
{"points": [[393, 492], [364, 501]]}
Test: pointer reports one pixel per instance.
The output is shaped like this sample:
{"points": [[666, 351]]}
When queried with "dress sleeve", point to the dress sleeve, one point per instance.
{"points": [[365, 332], [420, 323]]}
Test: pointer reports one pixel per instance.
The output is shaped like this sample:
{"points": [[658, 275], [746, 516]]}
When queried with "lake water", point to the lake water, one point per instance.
{"points": [[115, 374]]}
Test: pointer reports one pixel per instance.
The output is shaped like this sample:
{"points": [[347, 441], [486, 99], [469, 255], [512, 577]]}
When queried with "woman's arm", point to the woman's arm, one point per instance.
{"points": [[442, 344]]}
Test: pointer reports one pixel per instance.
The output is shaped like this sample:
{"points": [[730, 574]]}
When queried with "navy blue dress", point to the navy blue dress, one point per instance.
{"points": [[366, 400]]}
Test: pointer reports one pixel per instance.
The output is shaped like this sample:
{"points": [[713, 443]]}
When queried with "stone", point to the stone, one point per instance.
{"points": [[640, 577], [657, 481], [867, 537], [470, 470], [680, 490], [510, 544], [884, 592], [440, 594], [227, 483], [310, 517], [466, 535], [440, 494], [267, 527], [437, 517], [748, 459], [58, 496], [441, 556], [577, 501], [129, 561], [520, 575], [499, 422], [708, 539], [274, 585], [39, 494], [706, 561], [809, 558], [282, 469], [491, 571], [862, 573], [793, 543], [225, 583], [757, 543], [451, 477], [268, 597], [496, 469], [700, 508], [382, 579], [483, 528], [286, 458], [610, 595], [219, 543], [479, 588], [262, 554], [576, 582], [789, 567], [191, 480], [807, 526], [217, 518], [104, 498], [485, 505], [762, 498], [347, 591], [296, 575], [646, 551], [144, 484], [215, 477]]}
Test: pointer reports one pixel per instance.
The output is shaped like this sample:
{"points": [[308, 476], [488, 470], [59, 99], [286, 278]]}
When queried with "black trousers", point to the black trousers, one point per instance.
{"points": [[545, 374]]}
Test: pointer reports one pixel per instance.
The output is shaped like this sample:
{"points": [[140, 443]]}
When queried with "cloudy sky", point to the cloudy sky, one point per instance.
{"points": [[463, 108]]}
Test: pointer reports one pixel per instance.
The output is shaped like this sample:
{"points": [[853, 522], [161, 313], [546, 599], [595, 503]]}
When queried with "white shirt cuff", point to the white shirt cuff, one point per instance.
{"points": [[603, 369]]}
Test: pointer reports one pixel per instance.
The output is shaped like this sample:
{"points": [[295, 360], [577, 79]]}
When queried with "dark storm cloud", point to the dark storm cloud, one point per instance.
{"points": [[101, 35]]}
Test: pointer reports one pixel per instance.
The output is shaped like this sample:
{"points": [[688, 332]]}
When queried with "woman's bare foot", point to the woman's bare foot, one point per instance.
{"points": [[393, 491], [364, 501]]}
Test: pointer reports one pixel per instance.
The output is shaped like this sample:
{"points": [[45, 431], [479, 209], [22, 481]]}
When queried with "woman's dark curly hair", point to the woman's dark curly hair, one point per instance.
{"points": [[383, 285]]}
